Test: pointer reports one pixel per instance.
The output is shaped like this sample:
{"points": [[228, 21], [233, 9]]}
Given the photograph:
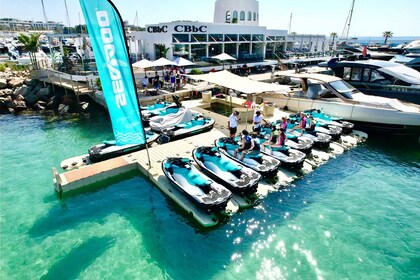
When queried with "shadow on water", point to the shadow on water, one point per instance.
{"points": [[79, 259]]}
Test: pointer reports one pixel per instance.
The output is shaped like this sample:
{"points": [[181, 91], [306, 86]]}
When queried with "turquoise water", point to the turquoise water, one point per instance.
{"points": [[356, 217]]}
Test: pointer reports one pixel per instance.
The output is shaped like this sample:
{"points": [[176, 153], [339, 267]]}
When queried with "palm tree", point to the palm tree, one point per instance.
{"points": [[333, 35], [387, 34], [31, 45]]}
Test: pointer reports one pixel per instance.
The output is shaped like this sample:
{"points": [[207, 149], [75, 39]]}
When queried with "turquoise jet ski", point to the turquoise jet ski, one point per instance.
{"points": [[264, 164], [200, 189], [235, 176], [325, 119]]}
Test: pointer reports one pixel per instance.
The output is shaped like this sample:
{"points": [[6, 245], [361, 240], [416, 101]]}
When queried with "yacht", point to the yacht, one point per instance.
{"points": [[413, 47], [377, 77], [336, 97]]}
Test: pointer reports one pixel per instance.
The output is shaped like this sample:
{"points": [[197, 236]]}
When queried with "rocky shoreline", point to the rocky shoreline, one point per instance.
{"points": [[19, 93]]}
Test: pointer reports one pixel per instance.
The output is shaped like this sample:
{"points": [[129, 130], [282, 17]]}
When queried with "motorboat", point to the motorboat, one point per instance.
{"points": [[109, 149], [235, 176], [324, 119], [262, 163], [380, 78], [200, 189], [338, 98], [411, 60], [298, 143], [413, 47], [181, 124], [320, 127]]}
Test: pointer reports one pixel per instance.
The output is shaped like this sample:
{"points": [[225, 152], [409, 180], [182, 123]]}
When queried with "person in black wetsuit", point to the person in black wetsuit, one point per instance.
{"points": [[247, 145]]}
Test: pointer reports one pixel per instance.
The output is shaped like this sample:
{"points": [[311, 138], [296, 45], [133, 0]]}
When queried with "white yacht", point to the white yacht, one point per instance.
{"points": [[413, 47], [338, 98]]}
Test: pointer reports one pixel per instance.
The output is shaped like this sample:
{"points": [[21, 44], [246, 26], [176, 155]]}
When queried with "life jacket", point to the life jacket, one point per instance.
{"points": [[275, 136], [248, 140], [282, 139], [256, 145], [283, 125], [303, 122]]}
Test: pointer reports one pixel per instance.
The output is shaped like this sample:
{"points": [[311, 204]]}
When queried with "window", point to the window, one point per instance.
{"points": [[346, 73], [245, 37], [178, 38], [242, 15], [228, 16], [356, 74], [376, 76], [249, 16], [255, 16], [231, 37], [258, 37], [235, 17], [198, 38], [215, 37], [366, 75]]}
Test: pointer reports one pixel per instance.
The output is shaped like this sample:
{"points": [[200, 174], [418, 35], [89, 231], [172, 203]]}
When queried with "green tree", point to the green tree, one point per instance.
{"points": [[161, 50], [31, 45], [333, 35], [387, 34]]}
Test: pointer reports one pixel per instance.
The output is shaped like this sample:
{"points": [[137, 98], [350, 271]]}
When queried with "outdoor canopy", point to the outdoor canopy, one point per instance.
{"points": [[162, 62], [179, 61], [223, 57], [241, 84], [142, 64]]}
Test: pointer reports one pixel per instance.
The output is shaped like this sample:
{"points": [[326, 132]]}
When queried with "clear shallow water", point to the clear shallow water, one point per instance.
{"points": [[357, 217]]}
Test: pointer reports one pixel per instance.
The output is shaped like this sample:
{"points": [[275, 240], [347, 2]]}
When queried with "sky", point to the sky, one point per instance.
{"points": [[370, 17]]}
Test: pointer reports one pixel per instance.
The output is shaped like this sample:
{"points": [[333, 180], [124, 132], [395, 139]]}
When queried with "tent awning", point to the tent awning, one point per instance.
{"points": [[241, 84]]}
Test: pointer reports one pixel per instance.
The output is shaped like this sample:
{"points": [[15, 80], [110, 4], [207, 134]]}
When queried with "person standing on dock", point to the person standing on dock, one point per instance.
{"points": [[258, 118], [233, 124]]}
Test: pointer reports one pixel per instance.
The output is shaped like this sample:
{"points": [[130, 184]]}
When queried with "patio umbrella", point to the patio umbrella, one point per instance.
{"points": [[223, 57], [179, 61], [162, 62], [143, 64]]}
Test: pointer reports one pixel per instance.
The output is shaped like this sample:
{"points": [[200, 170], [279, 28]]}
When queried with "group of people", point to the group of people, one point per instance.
{"points": [[277, 139], [173, 76]]}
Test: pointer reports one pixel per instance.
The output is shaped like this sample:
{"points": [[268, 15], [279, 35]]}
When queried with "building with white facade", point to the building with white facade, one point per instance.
{"points": [[235, 31]]}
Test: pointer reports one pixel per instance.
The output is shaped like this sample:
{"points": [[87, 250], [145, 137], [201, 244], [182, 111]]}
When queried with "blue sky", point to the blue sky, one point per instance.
{"points": [[370, 18]]}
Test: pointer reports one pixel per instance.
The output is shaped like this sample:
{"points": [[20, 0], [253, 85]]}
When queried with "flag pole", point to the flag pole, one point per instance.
{"points": [[134, 81]]}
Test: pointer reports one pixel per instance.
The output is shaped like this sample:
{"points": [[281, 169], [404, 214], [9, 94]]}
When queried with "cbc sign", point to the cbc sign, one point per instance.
{"points": [[177, 28]]}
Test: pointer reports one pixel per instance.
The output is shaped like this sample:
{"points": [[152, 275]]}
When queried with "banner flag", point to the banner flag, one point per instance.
{"points": [[106, 33]]}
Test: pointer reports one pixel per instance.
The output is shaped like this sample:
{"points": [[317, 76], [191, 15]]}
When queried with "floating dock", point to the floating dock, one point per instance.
{"points": [[90, 174]]}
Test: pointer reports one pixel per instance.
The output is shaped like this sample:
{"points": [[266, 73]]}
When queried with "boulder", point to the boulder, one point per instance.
{"points": [[15, 82], [3, 107], [19, 97], [63, 109], [3, 83], [44, 93], [20, 105], [31, 100], [23, 90], [7, 91], [28, 82], [39, 106]]}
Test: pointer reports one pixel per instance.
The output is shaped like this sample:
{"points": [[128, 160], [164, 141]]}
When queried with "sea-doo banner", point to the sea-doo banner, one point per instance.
{"points": [[109, 46]]}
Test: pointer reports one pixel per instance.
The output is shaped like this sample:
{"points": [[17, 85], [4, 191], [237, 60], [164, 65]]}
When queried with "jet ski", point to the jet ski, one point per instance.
{"points": [[108, 149], [321, 140], [200, 189], [262, 163], [160, 108], [230, 173], [289, 158], [180, 125], [334, 131], [323, 118], [298, 143]]}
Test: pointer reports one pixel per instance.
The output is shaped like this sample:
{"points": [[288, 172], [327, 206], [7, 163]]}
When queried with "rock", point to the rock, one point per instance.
{"points": [[6, 92], [63, 109], [44, 93], [20, 105], [3, 107], [31, 99], [15, 82], [39, 106], [19, 97], [3, 83], [28, 82], [23, 90]]}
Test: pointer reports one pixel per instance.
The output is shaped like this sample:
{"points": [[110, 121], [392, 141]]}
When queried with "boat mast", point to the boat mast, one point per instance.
{"points": [[45, 15], [346, 29], [67, 13], [290, 23]]}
